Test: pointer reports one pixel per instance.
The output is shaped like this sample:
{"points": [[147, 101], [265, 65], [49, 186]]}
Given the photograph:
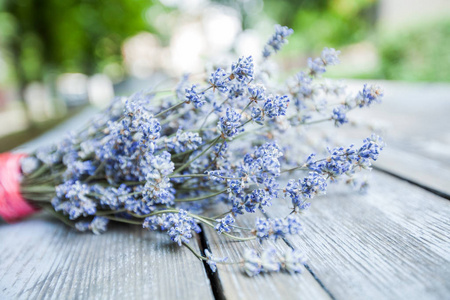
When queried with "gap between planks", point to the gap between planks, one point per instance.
{"points": [[421, 171], [43, 258], [414, 182], [237, 285], [391, 244]]}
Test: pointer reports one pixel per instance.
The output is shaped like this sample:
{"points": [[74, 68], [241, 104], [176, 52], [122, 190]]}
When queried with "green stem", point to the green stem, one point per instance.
{"points": [[293, 169], [34, 199], [302, 167], [201, 175], [188, 175], [183, 153], [242, 125], [110, 212], [242, 112], [38, 172], [317, 121], [208, 88], [99, 169], [239, 238], [203, 152], [195, 252], [134, 182], [132, 194], [217, 156], [221, 215], [42, 180], [186, 189], [159, 212], [59, 216], [205, 258], [242, 228], [123, 220], [210, 113], [224, 233], [174, 117], [169, 109], [234, 226], [200, 198], [38, 189]]}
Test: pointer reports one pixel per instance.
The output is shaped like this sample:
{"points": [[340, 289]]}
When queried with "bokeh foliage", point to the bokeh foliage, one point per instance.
{"points": [[41, 37], [419, 54], [320, 23], [317, 23], [69, 35]]}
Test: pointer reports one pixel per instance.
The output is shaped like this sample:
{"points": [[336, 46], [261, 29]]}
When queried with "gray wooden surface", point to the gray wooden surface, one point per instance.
{"points": [[40, 259], [416, 121], [393, 243], [237, 285]]}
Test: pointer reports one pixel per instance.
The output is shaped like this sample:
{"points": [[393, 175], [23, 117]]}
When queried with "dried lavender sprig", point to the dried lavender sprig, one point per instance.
{"points": [[130, 166]]}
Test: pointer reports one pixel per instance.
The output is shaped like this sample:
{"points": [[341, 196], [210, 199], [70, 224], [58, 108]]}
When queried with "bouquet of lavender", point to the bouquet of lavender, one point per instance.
{"points": [[167, 162]]}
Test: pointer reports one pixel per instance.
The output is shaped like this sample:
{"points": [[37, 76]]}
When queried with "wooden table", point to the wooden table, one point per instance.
{"points": [[393, 243]]}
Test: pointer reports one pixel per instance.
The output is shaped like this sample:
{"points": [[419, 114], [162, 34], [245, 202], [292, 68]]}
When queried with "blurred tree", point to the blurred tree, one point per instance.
{"points": [[53, 36], [419, 53], [320, 23], [317, 23], [72, 35]]}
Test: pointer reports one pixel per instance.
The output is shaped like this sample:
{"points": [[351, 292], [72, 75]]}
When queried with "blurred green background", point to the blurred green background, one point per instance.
{"points": [[57, 56]]}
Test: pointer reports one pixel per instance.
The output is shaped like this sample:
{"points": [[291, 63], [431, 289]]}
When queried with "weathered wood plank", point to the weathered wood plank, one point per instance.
{"points": [[428, 172], [417, 131], [392, 243], [237, 285], [43, 259]]}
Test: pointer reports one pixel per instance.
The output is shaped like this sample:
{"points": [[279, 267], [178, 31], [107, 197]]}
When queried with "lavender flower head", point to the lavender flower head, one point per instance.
{"points": [[194, 97], [242, 70], [219, 80], [230, 124], [277, 40]]}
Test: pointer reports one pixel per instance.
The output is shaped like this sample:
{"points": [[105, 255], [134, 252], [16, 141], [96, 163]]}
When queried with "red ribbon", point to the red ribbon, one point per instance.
{"points": [[12, 205]]}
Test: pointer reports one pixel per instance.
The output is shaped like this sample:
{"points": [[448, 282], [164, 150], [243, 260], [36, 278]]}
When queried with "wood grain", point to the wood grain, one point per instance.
{"points": [[237, 285], [425, 171], [40, 258], [43, 259], [392, 243], [417, 131]]}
